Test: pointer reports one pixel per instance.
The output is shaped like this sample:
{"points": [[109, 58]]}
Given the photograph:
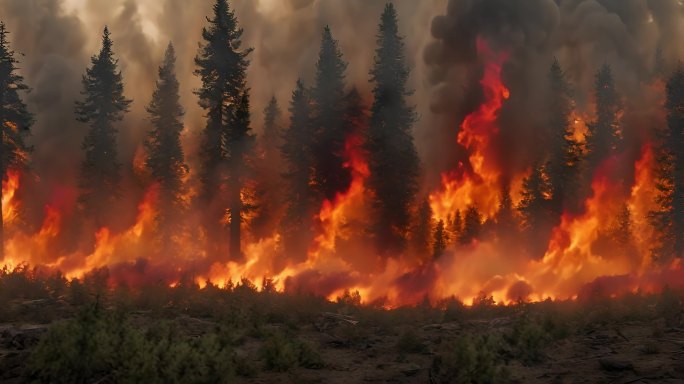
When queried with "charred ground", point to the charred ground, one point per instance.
{"points": [[54, 330]]}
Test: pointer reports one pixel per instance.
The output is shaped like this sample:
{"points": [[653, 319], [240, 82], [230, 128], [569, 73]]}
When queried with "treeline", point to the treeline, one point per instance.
{"points": [[240, 176], [280, 179], [561, 177]]}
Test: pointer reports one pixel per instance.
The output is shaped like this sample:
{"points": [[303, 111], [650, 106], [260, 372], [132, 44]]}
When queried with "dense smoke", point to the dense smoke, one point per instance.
{"points": [[637, 38]]}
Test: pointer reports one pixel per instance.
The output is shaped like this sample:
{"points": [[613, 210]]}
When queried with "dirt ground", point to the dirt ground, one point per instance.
{"points": [[355, 349]]}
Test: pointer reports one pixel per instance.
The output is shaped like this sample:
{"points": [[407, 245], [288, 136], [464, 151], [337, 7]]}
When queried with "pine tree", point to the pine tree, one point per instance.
{"points": [[422, 231], [623, 229], [15, 119], [535, 204], [668, 219], [603, 137], [272, 136], [221, 65], [296, 151], [506, 218], [268, 193], [535, 209], [472, 225], [104, 104], [457, 225], [165, 157], [393, 159], [440, 240], [240, 142], [564, 151], [331, 176]]}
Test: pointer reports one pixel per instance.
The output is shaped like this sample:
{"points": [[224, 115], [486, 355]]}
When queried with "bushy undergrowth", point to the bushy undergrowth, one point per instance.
{"points": [[103, 345], [282, 352], [470, 360]]}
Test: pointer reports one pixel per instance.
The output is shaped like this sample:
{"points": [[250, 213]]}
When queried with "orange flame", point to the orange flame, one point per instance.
{"points": [[480, 185], [10, 205]]}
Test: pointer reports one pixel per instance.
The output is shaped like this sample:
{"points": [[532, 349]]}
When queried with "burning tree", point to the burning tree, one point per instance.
{"points": [[221, 65], [603, 137], [15, 118], [331, 176], [564, 151], [393, 159], [104, 105], [165, 157], [668, 220], [297, 153]]}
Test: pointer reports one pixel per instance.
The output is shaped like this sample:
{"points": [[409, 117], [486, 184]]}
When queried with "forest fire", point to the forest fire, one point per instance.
{"points": [[545, 192], [477, 182]]}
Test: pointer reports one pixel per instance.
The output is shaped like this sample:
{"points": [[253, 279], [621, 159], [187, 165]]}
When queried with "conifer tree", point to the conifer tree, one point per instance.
{"points": [[440, 240], [535, 204], [272, 136], [603, 137], [668, 219], [564, 152], [268, 183], [535, 209], [104, 104], [15, 119], [393, 159], [457, 225], [297, 154], [506, 218], [221, 65], [240, 141], [422, 231], [165, 157], [472, 225], [331, 176]]}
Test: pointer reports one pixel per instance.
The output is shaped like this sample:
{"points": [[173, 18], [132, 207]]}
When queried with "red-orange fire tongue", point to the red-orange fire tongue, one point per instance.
{"points": [[461, 188]]}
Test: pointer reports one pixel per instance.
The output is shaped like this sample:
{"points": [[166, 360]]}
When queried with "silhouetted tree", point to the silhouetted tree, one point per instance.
{"points": [[15, 118], [535, 209], [272, 136], [104, 104], [165, 157], [269, 168], [604, 133], [668, 219], [440, 240], [393, 159], [221, 65], [422, 231], [623, 228], [331, 176], [457, 225], [297, 153], [472, 225], [564, 152], [240, 142], [506, 217]]}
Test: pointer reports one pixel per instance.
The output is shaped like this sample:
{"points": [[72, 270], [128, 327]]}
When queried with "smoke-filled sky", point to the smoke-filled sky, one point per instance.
{"points": [[637, 37], [58, 37]]}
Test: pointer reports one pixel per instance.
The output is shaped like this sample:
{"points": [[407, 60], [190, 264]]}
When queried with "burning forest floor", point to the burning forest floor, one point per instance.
{"points": [[56, 331]]}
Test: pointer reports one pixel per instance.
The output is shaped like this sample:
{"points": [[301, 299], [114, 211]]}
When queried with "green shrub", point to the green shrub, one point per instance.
{"points": [[99, 346], [469, 360], [282, 353], [409, 342]]}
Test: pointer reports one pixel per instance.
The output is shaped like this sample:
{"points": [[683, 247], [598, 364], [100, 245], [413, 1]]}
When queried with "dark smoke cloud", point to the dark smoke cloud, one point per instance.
{"points": [[638, 38]]}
